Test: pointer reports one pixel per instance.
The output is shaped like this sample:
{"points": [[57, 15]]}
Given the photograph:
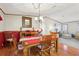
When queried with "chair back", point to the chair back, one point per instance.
{"points": [[16, 35], [54, 34], [7, 34], [14, 42], [46, 41]]}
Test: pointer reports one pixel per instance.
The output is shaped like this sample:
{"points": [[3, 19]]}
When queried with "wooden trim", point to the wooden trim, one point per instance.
{"points": [[21, 15], [2, 11], [16, 14], [71, 22]]}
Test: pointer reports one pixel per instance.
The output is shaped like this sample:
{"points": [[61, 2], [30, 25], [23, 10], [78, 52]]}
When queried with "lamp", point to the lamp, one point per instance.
{"points": [[39, 18]]}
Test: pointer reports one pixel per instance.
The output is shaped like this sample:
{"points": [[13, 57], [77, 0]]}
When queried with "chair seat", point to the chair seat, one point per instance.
{"points": [[43, 47], [33, 41]]}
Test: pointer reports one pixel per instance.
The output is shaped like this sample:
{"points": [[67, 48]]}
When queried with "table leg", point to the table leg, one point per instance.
{"points": [[56, 46], [26, 51]]}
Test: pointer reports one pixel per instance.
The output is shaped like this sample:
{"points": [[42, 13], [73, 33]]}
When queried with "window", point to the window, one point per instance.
{"points": [[65, 28]]}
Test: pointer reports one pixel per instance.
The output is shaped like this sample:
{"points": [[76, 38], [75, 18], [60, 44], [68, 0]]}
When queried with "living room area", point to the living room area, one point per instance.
{"points": [[70, 34]]}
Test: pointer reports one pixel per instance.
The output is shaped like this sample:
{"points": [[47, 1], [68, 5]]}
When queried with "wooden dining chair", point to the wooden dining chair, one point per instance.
{"points": [[55, 34], [8, 38], [14, 46], [45, 45], [54, 42], [17, 46]]}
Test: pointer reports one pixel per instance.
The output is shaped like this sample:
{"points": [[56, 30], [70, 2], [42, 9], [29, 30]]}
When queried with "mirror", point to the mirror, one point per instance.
{"points": [[26, 22]]}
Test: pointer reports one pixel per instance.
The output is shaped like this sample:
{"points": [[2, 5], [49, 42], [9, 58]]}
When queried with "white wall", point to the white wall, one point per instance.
{"points": [[73, 27], [35, 23], [49, 25], [2, 22], [12, 23]]}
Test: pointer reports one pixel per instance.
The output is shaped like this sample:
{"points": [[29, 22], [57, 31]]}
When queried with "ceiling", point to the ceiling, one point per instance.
{"points": [[63, 12]]}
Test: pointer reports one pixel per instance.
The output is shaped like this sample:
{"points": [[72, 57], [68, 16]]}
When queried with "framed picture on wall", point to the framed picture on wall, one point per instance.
{"points": [[26, 22]]}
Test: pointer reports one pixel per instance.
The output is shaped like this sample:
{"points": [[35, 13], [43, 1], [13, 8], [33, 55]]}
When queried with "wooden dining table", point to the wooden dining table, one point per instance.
{"points": [[34, 42]]}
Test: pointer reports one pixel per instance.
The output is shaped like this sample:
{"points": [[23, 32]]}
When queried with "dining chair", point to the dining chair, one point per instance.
{"points": [[55, 34], [54, 42], [17, 46], [45, 45], [8, 38]]}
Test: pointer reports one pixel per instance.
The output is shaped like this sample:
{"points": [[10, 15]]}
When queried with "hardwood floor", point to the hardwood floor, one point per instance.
{"points": [[63, 50]]}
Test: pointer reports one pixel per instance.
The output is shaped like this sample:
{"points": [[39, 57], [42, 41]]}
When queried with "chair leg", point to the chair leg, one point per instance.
{"points": [[10, 44], [41, 53], [48, 52]]}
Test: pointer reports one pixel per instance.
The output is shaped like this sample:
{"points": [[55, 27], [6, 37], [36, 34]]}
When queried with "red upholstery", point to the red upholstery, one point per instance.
{"points": [[16, 34], [8, 34], [2, 40], [32, 41]]}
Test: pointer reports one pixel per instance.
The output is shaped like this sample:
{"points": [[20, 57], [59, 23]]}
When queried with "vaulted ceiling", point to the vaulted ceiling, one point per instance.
{"points": [[63, 12]]}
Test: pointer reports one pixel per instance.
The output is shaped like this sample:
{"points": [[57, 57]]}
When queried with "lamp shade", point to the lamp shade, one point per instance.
{"points": [[0, 18]]}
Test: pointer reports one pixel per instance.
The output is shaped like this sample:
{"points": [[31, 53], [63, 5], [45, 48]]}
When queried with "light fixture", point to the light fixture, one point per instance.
{"points": [[36, 18], [39, 17]]}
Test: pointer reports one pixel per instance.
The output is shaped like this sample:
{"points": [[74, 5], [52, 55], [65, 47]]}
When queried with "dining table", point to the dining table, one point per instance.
{"points": [[29, 42]]}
